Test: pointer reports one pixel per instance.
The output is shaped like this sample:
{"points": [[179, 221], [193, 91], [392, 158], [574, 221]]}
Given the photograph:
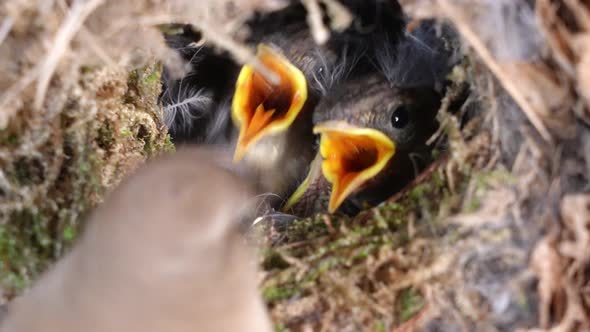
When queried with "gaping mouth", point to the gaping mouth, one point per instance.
{"points": [[352, 156], [261, 108]]}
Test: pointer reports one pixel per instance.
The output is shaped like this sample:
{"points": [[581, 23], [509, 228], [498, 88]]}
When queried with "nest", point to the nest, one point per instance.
{"points": [[494, 236]]}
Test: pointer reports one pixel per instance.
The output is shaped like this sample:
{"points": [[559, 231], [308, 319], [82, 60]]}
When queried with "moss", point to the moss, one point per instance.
{"points": [[68, 175], [281, 328], [273, 260], [69, 233], [152, 77], [472, 205], [27, 171], [348, 265], [380, 326], [168, 146], [305, 229], [410, 302], [8, 138], [278, 293], [483, 182], [106, 137], [125, 132], [26, 248], [486, 179]]}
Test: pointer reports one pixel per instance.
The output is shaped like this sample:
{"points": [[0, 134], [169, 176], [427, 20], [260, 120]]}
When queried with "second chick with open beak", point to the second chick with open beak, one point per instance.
{"points": [[372, 143], [352, 156]]}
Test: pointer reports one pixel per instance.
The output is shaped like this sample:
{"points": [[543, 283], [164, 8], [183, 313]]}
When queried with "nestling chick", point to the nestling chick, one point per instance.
{"points": [[372, 144], [163, 253], [373, 128]]}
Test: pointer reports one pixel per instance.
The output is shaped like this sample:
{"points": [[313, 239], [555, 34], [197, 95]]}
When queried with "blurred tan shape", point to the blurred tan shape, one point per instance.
{"points": [[163, 253]]}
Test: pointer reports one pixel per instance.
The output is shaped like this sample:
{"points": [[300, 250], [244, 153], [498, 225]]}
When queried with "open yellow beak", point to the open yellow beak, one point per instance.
{"points": [[352, 156], [261, 108]]}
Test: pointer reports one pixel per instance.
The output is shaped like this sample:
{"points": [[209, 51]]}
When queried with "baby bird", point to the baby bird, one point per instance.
{"points": [[372, 143], [162, 253], [373, 128]]}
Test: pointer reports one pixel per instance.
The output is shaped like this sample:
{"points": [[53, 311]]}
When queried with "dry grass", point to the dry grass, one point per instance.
{"points": [[495, 237]]}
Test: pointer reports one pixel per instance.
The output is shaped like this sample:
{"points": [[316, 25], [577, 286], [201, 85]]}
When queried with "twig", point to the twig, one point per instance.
{"points": [[454, 14], [422, 177], [5, 28], [12, 92], [340, 16], [240, 52], [314, 18], [76, 17]]}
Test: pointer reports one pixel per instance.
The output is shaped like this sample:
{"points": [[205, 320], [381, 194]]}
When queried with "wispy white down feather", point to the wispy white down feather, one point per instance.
{"points": [[183, 105], [217, 128], [329, 75], [419, 58]]}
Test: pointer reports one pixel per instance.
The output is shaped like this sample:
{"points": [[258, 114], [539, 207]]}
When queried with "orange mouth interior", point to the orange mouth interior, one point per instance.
{"points": [[352, 156], [261, 108]]}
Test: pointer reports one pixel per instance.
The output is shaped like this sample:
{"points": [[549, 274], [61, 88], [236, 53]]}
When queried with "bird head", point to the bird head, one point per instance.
{"points": [[352, 155], [261, 107], [367, 133]]}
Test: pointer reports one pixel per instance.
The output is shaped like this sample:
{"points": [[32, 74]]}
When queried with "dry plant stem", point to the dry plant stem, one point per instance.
{"points": [[413, 323], [582, 14], [240, 52], [96, 47], [5, 28], [76, 17], [454, 13], [314, 18], [425, 175], [341, 17], [9, 95]]}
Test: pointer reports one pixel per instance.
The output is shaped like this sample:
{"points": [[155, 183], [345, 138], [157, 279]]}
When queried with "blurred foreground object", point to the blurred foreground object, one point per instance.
{"points": [[163, 253]]}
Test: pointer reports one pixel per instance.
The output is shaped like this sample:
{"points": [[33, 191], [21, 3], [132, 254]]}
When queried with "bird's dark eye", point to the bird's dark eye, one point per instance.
{"points": [[400, 117]]}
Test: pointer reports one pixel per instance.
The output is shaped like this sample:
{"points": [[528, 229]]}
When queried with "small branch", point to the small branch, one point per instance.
{"points": [[76, 17], [340, 16], [5, 28], [240, 52], [460, 22], [315, 20]]}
